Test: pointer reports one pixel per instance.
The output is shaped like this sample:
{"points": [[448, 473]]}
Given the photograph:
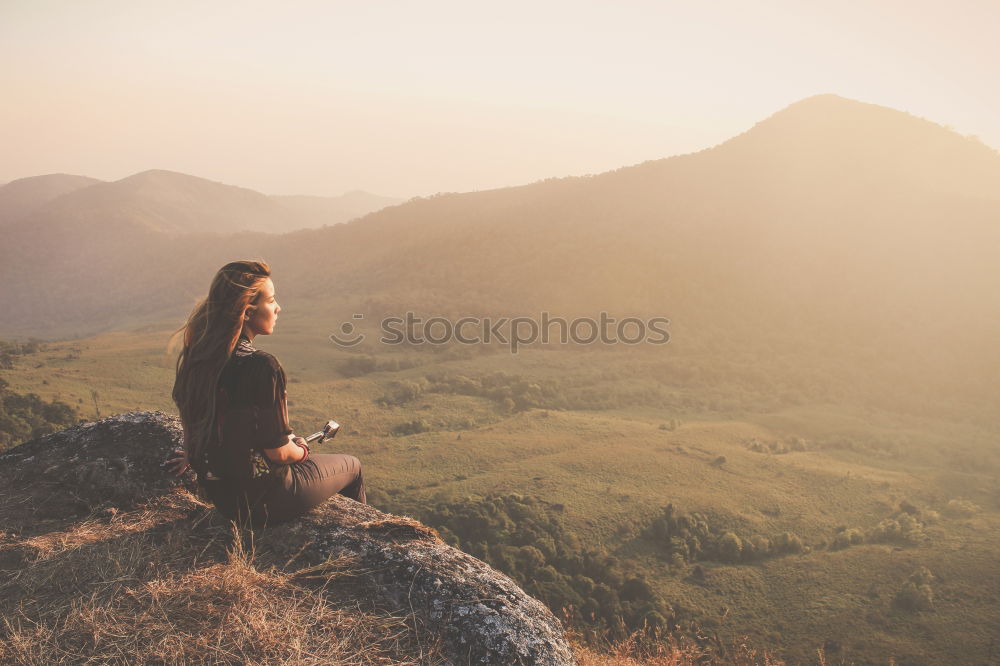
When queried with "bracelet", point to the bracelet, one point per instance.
{"points": [[304, 447]]}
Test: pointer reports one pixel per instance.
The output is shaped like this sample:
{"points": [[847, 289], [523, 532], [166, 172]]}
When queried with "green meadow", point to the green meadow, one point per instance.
{"points": [[874, 493]]}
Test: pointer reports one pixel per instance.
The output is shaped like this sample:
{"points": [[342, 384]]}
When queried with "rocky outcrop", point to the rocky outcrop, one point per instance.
{"points": [[480, 615]]}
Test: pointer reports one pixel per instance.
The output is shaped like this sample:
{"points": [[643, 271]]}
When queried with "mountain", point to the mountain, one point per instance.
{"points": [[170, 203], [851, 237], [829, 206], [166, 202], [833, 223], [829, 140], [23, 196], [150, 227]]}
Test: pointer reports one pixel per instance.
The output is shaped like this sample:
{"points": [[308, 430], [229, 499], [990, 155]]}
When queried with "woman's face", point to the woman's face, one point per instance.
{"points": [[265, 312]]}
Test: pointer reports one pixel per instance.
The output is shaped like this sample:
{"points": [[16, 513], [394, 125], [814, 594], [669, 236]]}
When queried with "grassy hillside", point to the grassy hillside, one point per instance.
{"points": [[835, 472]]}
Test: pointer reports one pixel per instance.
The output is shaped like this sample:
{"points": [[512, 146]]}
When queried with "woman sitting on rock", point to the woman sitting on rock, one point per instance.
{"points": [[232, 404]]}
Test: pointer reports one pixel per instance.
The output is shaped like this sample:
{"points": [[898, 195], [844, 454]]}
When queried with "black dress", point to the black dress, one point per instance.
{"points": [[252, 415]]}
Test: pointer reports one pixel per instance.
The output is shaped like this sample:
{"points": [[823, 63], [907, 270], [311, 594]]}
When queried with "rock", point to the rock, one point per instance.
{"points": [[114, 462], [481, 615]]}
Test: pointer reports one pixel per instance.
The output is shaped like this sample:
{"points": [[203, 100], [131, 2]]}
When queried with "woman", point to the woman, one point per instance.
{"points": [[232, 403]]}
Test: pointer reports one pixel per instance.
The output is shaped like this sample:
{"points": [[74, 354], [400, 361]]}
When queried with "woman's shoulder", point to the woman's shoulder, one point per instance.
{"points": [[261, 359], [257, 362]]}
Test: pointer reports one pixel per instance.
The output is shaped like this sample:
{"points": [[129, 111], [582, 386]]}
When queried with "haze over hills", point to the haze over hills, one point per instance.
{"points": [[833, 223], [332, 210], [830, 215], [61, 232]]}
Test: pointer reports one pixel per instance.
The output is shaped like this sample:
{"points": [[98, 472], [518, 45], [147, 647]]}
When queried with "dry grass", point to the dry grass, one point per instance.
{"points": [[170, 584], [639, 651]]}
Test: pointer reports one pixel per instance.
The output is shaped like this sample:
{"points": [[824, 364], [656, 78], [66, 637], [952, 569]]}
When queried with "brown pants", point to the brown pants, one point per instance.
{"points": [[306, 484]]}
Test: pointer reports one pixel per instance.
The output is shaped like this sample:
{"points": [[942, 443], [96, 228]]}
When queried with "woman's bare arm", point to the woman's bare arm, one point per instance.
{"points": [[287, 453]]}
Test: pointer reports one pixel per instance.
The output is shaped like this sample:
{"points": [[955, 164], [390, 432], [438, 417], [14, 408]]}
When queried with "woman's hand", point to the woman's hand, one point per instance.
{"points": [[178, 465], [302, 445]]}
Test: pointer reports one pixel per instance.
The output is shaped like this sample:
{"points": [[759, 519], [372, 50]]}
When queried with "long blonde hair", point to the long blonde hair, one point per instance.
{"points": [[210, 335]]}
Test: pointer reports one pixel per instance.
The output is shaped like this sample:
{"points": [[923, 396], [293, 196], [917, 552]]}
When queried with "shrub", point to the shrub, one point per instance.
{"points": [[358, 365], [730, 547], [24, 417], [525, 537], [411, 428], [916, 593], [400, 392], [901, 528], [960, 508], [848, 537], [786, 542], [760, 545], [683, 538]]}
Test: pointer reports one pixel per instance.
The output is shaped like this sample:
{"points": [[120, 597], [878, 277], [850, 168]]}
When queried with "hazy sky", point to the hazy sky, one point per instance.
{"points": [[408, 98]]}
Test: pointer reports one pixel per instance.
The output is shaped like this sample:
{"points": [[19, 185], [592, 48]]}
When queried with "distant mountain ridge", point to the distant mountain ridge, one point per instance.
{"points": [[20, 197], [172, 203]]}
